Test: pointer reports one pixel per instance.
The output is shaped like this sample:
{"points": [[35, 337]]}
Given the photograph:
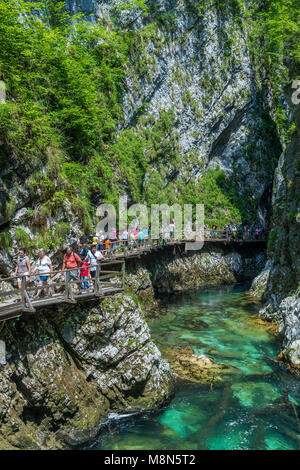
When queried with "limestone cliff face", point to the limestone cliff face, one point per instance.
{"points": [[67, 370], [212, 266], [196, 65], [280, 282], [170, 272]]}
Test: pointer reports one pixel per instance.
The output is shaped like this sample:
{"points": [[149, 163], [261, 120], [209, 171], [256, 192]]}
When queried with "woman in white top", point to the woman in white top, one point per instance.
{"points": [[44, 268], [23, 267], [125, 237]]}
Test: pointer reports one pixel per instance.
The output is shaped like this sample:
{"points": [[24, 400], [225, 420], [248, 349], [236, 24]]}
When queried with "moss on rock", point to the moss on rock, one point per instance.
{"points": [[200, 369]]}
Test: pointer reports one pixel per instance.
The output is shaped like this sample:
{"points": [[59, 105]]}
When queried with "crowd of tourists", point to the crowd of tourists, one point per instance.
{"points": [[136, 237], [82, 267], [240, 232]]}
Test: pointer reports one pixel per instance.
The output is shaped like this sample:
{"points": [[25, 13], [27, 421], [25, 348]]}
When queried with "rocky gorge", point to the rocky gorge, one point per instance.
{"points": [[69, 369], [278, 284], [181, 109]]}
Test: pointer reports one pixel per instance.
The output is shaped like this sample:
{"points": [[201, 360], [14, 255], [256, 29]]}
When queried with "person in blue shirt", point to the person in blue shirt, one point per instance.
{"points": [[141, 237], [146, 233]]}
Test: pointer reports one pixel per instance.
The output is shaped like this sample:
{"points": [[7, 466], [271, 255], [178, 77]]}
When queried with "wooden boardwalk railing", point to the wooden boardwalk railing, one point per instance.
{"points": [[64, 288], [121, 249]]}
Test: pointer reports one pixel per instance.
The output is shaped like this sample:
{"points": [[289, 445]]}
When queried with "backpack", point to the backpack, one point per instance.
{"points": [[84, 252]]}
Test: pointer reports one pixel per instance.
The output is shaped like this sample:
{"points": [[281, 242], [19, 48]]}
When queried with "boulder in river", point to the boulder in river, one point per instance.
{"points": [[199, 369]]}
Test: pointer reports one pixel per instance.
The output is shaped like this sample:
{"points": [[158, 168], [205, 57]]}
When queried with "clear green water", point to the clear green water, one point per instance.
{"points": [[251, 410]]}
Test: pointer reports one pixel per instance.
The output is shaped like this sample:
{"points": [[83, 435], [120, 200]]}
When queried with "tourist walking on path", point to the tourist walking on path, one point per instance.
{"points": [[85, 252], [261, 232], [125, 236], [84, 273], [214, 231], [23, 267], [113, 238], [100, 245], [234, 231], [241, 231], [45, 269], [135, 233], [146, 233], [251, 232], [95, 239], [141, 237], [107, 246], [95, 259], [229, 232], [132, 240], [71, 260]]}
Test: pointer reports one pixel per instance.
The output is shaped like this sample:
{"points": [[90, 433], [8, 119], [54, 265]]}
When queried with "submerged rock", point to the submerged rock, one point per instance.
{"points": [[201, 369], [195, 323], [251, 394]]}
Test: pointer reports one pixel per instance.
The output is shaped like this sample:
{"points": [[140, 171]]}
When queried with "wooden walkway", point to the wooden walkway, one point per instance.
{"points": [[123, 251], [64, 288]]}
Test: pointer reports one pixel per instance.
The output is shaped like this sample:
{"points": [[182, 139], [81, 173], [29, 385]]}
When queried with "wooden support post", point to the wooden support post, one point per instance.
{"points": [[29, 307], [2, 352], [67, 279], [23, 292], [98, 286], [123, 274], [26, 302]]}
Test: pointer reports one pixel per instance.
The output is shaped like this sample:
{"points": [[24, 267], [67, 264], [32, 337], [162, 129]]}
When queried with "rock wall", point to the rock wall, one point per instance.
{"points": [[197, 62], [166, 272], [67, 369], [174, 272], [279, 284]]}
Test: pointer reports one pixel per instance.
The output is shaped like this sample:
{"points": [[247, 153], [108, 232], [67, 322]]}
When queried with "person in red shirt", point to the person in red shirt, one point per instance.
{"points": [[85, 273], [71, 260]]}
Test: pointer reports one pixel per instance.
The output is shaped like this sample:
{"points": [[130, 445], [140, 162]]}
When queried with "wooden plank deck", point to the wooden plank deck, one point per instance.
{"points": [[10, 311]]}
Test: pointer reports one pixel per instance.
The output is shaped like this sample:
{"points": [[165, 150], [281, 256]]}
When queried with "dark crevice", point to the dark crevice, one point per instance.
{"points": [[69, 351], [220, 143]]}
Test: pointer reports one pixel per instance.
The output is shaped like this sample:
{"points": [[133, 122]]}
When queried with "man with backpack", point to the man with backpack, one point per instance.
{"points": [[71, 261]]}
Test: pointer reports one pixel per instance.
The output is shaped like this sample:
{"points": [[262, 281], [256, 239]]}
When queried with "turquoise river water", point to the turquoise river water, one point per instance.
{"points": [[255, 408]]}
